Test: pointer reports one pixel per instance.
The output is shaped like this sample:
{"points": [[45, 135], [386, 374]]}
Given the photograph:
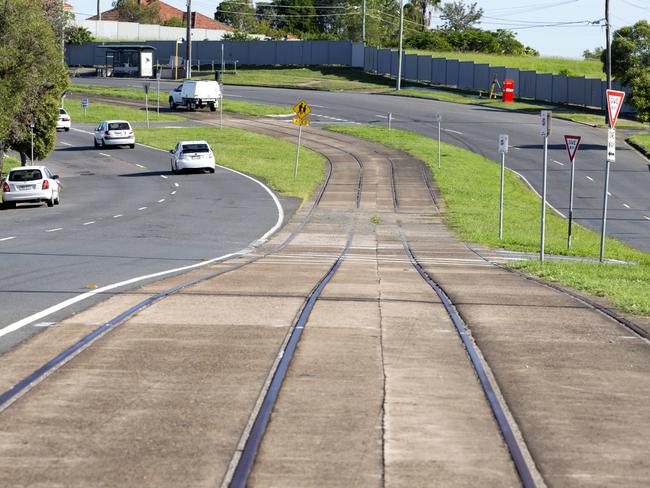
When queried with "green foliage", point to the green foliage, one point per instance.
{"points": [[458, 17], [174, 22], [597, 53], [77, 35], [32, 77], [239, 14], [135, 11], [475, 40], [237, 36], [639, 83]]}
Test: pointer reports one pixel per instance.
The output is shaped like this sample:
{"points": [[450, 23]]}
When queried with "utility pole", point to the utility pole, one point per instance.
{"points": [[63, 31], [99, 12], [188, 36], [401, 32], [363, 22], [609, 46]]}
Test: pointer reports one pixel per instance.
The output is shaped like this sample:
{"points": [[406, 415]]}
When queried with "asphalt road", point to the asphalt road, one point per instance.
{"points": [[477, 128], [122, 215]]}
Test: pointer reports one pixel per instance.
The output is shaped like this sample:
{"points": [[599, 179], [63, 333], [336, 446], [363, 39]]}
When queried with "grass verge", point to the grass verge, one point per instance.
{"points": [[8, 163], [470, 184], [243, 108], [264, 157], [98, 111], [642, 143]]}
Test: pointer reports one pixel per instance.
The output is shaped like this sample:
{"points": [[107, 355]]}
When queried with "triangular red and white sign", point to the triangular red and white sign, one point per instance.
{"points": [[614, 104], [572, 143]]}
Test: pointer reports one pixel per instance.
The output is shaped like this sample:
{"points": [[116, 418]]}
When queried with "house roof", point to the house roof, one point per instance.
{"points": [[167, 12]]}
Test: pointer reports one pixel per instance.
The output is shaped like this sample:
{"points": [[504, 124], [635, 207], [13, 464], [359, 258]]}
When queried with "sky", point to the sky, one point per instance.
{"points": [[554, 27]]}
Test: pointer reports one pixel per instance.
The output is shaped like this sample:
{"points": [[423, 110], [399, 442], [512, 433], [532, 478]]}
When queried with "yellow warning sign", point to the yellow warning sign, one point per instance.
{"points": [[302, 109], [298, 121]]}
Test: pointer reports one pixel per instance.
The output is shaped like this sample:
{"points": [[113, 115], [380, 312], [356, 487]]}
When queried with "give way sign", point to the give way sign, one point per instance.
{"points": [[614, 103], [572, 143]]}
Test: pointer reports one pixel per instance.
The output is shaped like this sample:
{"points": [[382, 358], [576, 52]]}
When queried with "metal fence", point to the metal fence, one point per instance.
{"points": [[467, 75]]}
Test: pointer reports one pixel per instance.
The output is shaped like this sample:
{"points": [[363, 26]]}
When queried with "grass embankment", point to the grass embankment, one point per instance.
{"points": [[98, 111], [243, 108], [641, 142], [586, 116], [590, 68], [8, 163], [264, 157], [470, 187]]}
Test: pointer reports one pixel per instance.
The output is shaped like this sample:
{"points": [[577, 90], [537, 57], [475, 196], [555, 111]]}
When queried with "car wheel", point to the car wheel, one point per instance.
{"points": [[213, 108], [188, 106], [132, 146], [211, 170], [96, 143], [9, 204], [172, 168], [172, 105], [50, 202], [57, 200], [103, 144], [67, 129]]}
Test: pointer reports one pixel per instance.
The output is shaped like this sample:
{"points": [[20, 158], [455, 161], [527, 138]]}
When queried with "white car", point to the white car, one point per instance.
{"points": [[114, 133], [63, 122], [31, 184], [195, 94], [192, 155]]}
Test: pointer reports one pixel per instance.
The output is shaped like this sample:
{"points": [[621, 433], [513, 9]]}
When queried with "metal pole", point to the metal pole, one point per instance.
{"points": [[221, 107], [573, 174], [604, 223], [146, 106], [222, 61], [503, 168], [188, 37], [158, 87], [439, 141], [363, 21], [401, 32], [390, 120], [32, 158], [99, 12], [295, 170], [176, 62], [609, 46], [543, 223], [63, 30]]}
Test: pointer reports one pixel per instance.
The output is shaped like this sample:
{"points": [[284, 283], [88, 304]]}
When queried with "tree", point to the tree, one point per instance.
{"points": [[77, 35], [597, 53], [458, 17], [32, 79], [420, 12], [239, 14], [138, 11]]}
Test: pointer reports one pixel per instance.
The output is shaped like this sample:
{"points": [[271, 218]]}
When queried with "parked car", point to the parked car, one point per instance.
{"points": [[192, 155], [195, 94], [63, 122], [31, 184], [114, 133]]}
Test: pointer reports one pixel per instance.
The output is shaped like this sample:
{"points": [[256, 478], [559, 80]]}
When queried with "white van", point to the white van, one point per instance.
{"points": [[195, 94]]}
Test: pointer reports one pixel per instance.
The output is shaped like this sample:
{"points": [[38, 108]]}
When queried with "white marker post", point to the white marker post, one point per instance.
{"points": [[146, 101], [503, 150], [614, 104], [302, 110], [221, 105], [437, 117], [545, 132], [31, 125], [390, 120], [572, 144], [158, 75]]}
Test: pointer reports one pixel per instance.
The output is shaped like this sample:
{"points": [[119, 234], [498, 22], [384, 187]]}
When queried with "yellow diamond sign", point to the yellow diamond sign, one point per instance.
{"points": [[302, 109]]}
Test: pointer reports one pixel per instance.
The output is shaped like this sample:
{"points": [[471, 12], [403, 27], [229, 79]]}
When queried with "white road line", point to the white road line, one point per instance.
{"points": [[65, 143], [117, 216], [609, 194], [557, 162], [142, 208], [54, 230], [646, 217], [174, 192], [104, 154], [7, 238], [163, 176], [453, 131], [44, 324], [589, 178], [90, 222], [316, 106], [626, 205], [176, 185], [161, 200], [140, 166], [517, 148]]}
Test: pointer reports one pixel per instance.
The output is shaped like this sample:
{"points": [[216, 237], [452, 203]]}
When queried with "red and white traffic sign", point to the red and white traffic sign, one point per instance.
{"points": [[614, 104], [572, 143]]}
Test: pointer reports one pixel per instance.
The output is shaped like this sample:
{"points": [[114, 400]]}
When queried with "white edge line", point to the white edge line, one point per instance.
{"points": [[84, 296], [536, 193], [140, 166]]}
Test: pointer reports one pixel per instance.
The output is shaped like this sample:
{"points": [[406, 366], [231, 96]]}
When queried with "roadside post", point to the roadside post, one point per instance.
{"points": [[390, 120], [545, 131], [437, 117], [222, 61], [158, 75], [179, 40], [503, 150], [572, 144], [302, 110], [31, 126], [65, 92], [146, 101], [221, 106], [84, 105], [614, 104]]}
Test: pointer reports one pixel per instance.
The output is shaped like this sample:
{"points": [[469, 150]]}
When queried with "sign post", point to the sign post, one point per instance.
{"points": [[545, 132], [221, 105], [302, 110], [437, 117], [158, 75], [614, 104], [572, 144], [32, 125], [146, 101], [390, 120], [84, 105], [503, 150]]}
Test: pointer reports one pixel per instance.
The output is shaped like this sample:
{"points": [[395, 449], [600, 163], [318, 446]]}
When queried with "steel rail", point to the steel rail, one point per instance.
{"points": [[247, 459], [31, 380], [393, 189], [498, 410]]}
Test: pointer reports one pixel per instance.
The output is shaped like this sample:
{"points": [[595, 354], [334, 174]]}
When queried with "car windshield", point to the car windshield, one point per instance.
{"points": [[196, 148], [118, 126], [62, 112], [25, 175]]}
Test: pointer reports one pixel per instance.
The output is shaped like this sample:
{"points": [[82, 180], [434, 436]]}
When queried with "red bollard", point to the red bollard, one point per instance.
{"points": [[508, 90]]}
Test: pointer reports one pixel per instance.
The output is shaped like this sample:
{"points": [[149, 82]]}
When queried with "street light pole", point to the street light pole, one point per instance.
{"points": [[188, 36], [401, 32], [363, 21], [609, 46], [31, 125]]}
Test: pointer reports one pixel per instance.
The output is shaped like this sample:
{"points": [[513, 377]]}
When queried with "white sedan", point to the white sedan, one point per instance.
{"points": [[114, 133], [192, 155], [63, 122], [31, 184]]}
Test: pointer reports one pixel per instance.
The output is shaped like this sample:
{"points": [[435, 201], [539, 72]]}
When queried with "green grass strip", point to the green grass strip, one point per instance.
{"points": [[642, 143], [8, 163], [98, 111], [470, 185], [269, 159]]}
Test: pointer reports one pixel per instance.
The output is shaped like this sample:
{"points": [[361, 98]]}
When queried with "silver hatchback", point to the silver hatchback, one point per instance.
{"points": [[114, 133]]}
